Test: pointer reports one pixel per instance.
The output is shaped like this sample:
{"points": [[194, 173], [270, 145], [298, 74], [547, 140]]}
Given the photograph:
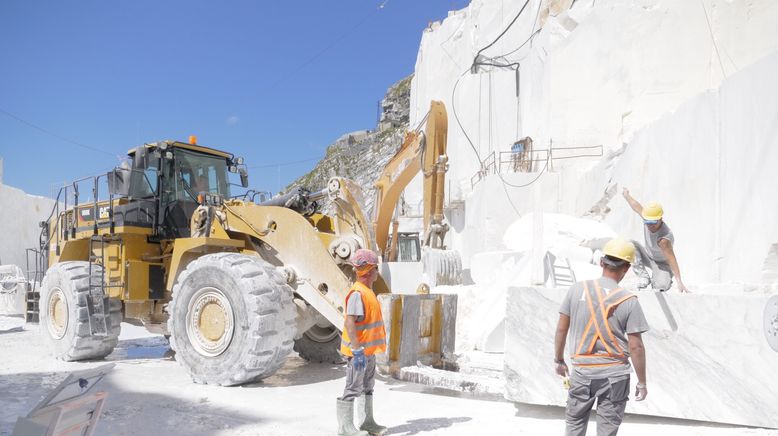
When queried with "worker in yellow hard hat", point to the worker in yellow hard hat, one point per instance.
{"points": [[605, 323], [658, 254]]}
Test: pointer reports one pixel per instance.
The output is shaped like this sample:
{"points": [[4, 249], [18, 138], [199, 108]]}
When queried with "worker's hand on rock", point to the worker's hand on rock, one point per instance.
{"points": [[359, 361], [561, 369], [683, 289], [625, 192], [641, 392]]}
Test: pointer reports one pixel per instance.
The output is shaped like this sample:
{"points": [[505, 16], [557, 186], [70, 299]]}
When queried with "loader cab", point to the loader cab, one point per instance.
{"points": [[185, 176], [162, 182]]}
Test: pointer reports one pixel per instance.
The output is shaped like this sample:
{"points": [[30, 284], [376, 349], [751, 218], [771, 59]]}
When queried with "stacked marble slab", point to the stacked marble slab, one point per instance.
{"points": [[708, 356]]}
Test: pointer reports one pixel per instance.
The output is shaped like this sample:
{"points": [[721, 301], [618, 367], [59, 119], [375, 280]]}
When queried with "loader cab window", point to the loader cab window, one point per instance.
{"points": [[187, 175], [198, 173]]}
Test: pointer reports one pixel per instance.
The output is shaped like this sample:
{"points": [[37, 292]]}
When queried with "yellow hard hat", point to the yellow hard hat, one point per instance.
{"points": [[652, 211], [620, 249]]}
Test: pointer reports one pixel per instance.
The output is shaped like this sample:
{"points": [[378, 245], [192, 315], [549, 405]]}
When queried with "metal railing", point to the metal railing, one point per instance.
{"points": [[526, 161], [63, 228]]}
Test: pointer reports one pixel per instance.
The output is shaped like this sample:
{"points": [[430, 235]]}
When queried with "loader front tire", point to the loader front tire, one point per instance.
{"points": [[320, 345], [64, 317], [232, 319]]}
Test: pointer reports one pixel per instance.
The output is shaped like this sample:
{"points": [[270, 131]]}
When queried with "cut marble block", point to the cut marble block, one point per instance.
{"points": [[707, 355], [402, 277], [488, 266]]}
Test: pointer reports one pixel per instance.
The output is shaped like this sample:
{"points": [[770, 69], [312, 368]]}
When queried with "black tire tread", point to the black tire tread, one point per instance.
{"points": [[83, 345], [268, 302]]}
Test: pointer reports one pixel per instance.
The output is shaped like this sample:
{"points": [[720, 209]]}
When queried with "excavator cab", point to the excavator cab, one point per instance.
{"points": [[408, 246]]}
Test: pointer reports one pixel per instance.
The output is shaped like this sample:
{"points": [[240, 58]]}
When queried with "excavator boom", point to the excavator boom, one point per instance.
{"points": [[425, 152]]}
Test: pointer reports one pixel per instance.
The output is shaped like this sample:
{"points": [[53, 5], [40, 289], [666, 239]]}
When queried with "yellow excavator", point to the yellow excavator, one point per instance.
{"points": [[235, 282], [425, 152]]}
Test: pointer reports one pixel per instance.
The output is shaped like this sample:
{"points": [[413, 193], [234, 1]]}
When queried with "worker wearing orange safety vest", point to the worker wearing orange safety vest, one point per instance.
{"points": [[363, 336], [605, 323]]}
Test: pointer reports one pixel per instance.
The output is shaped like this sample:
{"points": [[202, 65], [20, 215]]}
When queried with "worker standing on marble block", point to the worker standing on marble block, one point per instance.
{"points": [[605, 324], [363, 336], [658, 254]]}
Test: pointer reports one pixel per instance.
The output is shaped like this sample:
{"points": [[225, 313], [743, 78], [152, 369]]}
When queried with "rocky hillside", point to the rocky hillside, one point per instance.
{"points": [[361, 155]]}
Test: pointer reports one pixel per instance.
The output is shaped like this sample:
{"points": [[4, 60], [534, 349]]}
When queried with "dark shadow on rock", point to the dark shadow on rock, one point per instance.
{"points": [[12, 330], [402, 386], [416, 426], [125, 413], [155, 347], [535, 411]]}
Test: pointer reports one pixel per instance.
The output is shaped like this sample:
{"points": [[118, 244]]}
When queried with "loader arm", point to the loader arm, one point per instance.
{"points": [[313, 250], [287, 239]]}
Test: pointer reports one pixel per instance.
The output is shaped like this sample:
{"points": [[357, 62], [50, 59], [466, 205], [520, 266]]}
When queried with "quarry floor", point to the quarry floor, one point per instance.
{"points": [[149, 393]]}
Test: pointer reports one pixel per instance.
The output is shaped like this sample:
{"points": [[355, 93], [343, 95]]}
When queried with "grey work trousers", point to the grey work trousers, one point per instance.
{"points": [[661, 277], [611, 400], [359, 382]]}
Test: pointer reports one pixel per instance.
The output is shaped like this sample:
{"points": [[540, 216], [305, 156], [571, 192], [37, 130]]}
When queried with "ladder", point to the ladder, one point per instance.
{"points": [[97, 298], [558, 270]]}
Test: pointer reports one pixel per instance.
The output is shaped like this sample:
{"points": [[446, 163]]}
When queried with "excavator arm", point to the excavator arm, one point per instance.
{"points": [[425, 152]]}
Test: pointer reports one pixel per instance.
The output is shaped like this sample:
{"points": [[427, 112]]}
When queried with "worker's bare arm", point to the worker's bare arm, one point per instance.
{"points": [[667, 249], [351, 329], [634, 204], [638, 355], [563, 325]]}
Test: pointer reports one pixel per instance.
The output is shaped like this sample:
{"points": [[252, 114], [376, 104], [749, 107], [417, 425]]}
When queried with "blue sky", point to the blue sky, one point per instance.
{"points": [[81, 82]]}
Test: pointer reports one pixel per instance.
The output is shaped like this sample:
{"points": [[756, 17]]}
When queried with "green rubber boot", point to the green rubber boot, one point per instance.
{"points": [[346, 420], [365, 416]]}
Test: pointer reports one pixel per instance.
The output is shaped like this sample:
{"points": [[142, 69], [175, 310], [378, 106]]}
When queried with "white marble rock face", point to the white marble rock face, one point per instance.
{"points": [[716, 366]]}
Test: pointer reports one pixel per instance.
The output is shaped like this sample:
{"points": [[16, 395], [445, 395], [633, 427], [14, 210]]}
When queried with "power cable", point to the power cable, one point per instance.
{"points": [[456, 117], [421, 123], [532, 181], [332, 44], [493, 63], [503, 32], [531, 37], [52, 134], [284, 164], [713, 39]]}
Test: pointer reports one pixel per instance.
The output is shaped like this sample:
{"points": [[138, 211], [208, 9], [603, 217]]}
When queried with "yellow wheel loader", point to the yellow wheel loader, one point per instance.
{"points": [[235, 283]]}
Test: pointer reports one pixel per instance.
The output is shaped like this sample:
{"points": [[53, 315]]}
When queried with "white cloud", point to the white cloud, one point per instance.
{"points": [[232, 120]]}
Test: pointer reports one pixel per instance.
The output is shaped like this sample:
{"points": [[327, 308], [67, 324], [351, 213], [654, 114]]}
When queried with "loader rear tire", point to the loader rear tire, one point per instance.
{"points": [[232, 319], [320, 345], [64, 317]]}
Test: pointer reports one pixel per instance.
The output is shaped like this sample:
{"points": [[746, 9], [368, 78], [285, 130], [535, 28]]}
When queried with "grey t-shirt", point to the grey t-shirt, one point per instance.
{"points": [[652, 242], [355, 307], [627, 318]]}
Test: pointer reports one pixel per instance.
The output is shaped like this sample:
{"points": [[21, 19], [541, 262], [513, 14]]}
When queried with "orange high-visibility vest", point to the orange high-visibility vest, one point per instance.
{"points": [[370, 331], [601, 306]]}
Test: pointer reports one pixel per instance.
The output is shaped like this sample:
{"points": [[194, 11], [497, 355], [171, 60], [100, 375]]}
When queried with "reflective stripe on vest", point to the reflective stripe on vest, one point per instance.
{"points": [[598, 328], [370, 331]]}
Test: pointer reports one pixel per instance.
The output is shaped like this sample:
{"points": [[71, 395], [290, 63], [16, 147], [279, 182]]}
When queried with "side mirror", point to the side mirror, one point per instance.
{"points": [[244, 177]]}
